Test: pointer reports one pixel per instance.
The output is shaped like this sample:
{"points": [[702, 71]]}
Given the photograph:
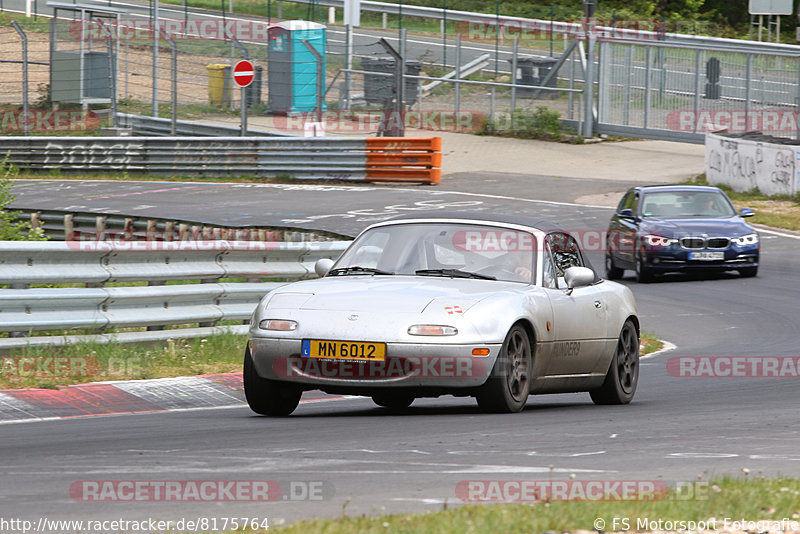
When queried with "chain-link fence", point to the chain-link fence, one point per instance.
{"points": [[458, 76]]}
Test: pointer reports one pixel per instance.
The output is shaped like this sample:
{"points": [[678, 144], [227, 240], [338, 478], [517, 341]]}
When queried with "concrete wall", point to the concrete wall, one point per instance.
{"points": [[744, 165]]}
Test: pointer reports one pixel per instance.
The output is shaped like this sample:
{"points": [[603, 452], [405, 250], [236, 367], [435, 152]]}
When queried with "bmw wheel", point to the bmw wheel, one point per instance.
{"points": [[507, 389], [643, 273], [612, 271], [268, 397], [623, 373]]}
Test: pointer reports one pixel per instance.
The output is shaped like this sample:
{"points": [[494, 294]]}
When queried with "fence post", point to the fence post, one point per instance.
{"points": [[24, 38], [174, 96], [156, 35], [348, 50], [320, 77], [514, 55], [589, 80], [112, 77], [457, 103]]}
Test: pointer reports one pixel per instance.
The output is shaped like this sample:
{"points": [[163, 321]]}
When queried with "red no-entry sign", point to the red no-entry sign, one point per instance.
{"points": [[243, 73]]}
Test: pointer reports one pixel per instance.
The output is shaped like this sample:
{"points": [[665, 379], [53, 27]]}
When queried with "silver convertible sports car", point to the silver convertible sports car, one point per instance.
{"points": [[493, 307]]}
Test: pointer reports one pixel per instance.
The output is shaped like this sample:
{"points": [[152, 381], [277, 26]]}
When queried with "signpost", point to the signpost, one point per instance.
{"points": [[244, 72]]}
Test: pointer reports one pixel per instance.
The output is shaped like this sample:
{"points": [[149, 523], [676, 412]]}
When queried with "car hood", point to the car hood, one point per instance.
{"points": [[733, 227], [389, 294]]}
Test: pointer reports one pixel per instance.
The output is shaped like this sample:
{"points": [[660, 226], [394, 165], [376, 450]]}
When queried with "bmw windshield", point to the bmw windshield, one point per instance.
{"points": [[441, 250], [687, 205]]}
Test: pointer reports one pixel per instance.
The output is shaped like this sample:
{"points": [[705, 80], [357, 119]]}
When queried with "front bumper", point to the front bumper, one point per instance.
{"points": [[675, 258], [406, 365]]}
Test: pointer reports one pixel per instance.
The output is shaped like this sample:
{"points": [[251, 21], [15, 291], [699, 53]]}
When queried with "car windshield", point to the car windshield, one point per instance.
{"points": [[447, 250], [687, 205]]}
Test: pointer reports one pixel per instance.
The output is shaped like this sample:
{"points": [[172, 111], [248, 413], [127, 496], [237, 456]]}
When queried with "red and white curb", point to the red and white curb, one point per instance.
{"points": [[128, 397]]}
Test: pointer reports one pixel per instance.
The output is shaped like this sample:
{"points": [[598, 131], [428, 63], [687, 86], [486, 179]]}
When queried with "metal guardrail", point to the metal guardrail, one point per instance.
{"points": [[24, 310], [298, 157], [158, 127]]}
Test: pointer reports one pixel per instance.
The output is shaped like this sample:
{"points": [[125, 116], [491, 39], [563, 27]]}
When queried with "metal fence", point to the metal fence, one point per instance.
{"points": [[467, 70], [672, 91], [105, 304]]}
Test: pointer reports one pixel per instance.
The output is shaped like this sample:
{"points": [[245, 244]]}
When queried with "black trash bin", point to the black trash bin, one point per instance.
{"points": [[532, 70], [253, 91], [378, 89]]}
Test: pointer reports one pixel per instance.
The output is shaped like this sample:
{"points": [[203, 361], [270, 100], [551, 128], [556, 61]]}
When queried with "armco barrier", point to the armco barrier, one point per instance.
{"points": [[24, 310], [393, 159], [751, 161]]}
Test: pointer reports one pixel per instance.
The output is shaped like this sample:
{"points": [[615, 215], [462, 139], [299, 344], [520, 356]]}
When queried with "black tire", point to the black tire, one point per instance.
{"points": [[268, 397], [620, 383], [612, 271], [507, 389], [748, 272], [643, 274], [393, 400]]}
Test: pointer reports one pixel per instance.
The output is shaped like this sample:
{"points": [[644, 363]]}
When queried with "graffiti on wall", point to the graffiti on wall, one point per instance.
{"points": [[745, 165]]}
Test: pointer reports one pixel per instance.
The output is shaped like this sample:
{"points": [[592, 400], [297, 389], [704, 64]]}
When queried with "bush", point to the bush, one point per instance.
{"points": [[543, 123], [11, 227]]}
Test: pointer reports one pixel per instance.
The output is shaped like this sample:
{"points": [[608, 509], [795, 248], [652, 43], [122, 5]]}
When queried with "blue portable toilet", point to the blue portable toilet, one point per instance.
{"points": [[292, 68]]}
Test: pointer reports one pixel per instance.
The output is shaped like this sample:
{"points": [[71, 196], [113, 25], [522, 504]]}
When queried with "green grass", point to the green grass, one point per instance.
{"points": [[780, 211], [49, 367], [748, 498]]}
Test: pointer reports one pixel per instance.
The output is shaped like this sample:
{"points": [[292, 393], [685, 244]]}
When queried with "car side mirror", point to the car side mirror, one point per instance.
{"points": [[578, 277], [322, 266], [627, 213], [747, 212]]}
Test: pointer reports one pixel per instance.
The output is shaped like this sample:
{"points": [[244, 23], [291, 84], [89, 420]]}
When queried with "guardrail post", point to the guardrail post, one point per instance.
{"points": [[69, 229]]}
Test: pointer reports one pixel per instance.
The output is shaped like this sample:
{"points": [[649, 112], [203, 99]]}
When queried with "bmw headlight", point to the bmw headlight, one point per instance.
{"points": [[749, 239], [658, 240]]}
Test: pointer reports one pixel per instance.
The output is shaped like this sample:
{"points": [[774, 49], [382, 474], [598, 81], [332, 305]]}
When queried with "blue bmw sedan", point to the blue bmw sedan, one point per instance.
{"points": [[679, 228]]}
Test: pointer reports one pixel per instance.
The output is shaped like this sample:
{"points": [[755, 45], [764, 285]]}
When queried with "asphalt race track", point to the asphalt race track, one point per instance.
{"points": [[358, 456]]}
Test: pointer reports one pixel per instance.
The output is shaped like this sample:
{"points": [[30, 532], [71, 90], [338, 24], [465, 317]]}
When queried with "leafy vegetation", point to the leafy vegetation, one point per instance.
{"points": [[12, 228], [541, 123]]}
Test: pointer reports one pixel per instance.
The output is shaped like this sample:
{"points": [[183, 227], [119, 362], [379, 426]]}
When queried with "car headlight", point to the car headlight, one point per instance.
{"points": [[278, 324], [749, 239], [658, 240], [432, 330]]}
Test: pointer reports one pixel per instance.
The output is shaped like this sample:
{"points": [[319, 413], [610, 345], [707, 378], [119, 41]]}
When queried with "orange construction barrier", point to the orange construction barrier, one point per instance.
{"points": [[404, 159]]}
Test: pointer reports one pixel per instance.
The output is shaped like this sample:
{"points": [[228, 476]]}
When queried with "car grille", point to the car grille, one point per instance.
{"points": [[693, 242], [701, 242], [718, 242]]}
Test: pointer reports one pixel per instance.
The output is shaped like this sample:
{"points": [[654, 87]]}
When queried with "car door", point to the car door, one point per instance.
{"points": [[579, 316], [623, 229]]}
